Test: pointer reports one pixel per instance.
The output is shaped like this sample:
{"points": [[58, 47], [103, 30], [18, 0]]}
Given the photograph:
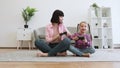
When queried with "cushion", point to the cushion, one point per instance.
{"points": [[42, 36]]}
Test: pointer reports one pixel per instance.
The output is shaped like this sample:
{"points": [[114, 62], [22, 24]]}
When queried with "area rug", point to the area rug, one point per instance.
{"points": [[30, 55]]}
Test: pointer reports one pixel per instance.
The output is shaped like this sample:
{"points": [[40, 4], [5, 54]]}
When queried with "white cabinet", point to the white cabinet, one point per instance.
{"points": [[24, 35], [101, 27]]}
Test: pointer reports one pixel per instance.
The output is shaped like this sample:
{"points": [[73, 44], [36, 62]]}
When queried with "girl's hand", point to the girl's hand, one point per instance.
{"points": [[85, 40]]}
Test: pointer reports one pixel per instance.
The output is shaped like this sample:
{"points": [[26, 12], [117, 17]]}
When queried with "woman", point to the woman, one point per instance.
{"points": [[56, 37]]}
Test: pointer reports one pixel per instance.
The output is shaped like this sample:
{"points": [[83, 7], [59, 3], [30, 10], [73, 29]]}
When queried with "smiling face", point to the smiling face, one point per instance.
{"points": [[83, 27]]}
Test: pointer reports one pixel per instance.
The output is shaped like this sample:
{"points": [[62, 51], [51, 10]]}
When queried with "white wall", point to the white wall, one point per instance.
{"points": [[75, 11]]}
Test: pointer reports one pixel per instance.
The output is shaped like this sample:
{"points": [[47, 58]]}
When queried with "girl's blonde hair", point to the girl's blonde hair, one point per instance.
{"points": [[83, 22]]}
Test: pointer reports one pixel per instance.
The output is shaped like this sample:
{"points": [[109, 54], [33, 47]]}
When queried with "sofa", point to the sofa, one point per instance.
{"points": [[39, 33]]}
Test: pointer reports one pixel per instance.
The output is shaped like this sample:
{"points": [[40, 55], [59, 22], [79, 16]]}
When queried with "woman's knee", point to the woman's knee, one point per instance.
{"points": [[38, 42], [66, 41]]}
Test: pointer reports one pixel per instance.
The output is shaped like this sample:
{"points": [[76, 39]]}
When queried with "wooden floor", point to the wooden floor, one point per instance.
{"points": [[59, 65], [56, 64]]}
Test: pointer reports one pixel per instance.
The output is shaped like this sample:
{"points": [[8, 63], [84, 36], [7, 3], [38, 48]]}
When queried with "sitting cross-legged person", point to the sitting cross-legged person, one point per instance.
{"points": [[56, 37], [83, 41]]}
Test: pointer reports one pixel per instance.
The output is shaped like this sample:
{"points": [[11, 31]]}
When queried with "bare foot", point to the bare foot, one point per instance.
{"points": [[74, 55], [86, 55], [41, 54], [62, 54]]}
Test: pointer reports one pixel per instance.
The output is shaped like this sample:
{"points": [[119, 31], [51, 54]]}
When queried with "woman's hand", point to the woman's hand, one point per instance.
{"points": [[56, 37], [75, 38]]}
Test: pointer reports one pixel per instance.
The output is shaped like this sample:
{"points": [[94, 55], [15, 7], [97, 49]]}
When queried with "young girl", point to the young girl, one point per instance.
{"points": [[83, 41]]}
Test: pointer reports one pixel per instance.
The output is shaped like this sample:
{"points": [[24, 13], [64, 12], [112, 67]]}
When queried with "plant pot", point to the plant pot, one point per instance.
{"points": [[25, 26]]}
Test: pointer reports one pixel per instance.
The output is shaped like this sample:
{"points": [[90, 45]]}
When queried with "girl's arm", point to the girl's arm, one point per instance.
{"points": [[88, 40], [74, 37]]}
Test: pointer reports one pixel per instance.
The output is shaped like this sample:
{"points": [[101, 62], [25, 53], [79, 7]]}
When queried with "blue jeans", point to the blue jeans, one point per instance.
{"points": [[79, 52], [60, 47]]}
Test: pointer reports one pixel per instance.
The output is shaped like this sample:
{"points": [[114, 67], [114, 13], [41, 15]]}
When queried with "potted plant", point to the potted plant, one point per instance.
{"points": [[27, 13], [95, 6]]}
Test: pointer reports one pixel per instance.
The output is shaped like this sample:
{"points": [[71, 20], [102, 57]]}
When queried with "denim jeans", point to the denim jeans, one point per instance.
{"points": [[60, 47], [79, 52]]}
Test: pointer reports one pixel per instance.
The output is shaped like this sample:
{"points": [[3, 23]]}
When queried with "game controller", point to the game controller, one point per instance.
{"points": [[64, 33], [81, 37]]}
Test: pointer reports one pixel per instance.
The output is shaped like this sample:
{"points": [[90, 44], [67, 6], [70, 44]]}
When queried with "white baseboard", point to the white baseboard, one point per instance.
{"points": [[15, 48], [116, 46]]}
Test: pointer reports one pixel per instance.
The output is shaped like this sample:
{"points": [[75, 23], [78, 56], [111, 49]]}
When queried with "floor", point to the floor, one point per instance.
{"points": [[59, 65], [56, 64]]}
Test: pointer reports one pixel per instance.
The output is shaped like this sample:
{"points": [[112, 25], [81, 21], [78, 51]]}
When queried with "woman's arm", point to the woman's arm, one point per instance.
{"points": [[49, 34], [68, 32]]}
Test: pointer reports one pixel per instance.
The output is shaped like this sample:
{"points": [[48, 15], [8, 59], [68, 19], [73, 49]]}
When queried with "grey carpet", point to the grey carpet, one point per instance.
{"points": [[30, 55]]}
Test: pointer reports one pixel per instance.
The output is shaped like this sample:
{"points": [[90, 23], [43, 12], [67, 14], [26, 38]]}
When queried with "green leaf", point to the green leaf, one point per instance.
{"points": [[95, 6], [28, 13]]}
